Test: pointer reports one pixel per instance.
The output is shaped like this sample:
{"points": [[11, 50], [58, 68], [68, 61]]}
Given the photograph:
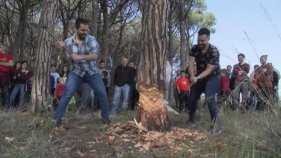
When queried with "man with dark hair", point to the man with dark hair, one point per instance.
{"points": [[241, 84], [105, 75], [206, 78], [82, 50], [6, 63]]}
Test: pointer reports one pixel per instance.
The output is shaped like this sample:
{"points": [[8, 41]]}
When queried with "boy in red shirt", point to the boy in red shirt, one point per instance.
{"points": [[183, 86]]}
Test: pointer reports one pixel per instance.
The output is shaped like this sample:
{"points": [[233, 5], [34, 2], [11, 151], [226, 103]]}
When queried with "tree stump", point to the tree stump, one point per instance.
{"points": [[152, 114]]}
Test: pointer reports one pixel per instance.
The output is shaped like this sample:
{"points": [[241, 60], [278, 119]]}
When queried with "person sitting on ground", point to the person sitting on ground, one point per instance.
{"points": [[183, 87]]}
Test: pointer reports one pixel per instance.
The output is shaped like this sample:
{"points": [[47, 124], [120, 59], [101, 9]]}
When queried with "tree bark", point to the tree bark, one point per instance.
{"points": [[105, 30], [19, 43], [152, 113], [183, 53], [95, 14], [40, 88]]}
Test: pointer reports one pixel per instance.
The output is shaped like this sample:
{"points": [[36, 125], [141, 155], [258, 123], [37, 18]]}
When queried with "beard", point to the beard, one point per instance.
{"points": [[81, 36]]}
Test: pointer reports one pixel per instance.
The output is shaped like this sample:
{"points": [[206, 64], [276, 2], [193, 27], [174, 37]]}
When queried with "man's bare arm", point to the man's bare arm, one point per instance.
{"points": [[208, 71]]}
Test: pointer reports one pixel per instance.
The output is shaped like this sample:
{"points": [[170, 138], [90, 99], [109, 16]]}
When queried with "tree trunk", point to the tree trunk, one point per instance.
{"points": [[152, 113], [183, 53], [105, 38], [40, 88], [95, 14], [19, 43]]}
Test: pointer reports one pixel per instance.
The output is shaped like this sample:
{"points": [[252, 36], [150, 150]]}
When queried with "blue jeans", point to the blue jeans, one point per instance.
{"points": [[125, 90], [73, 82], [18, 88], [210, 86]]}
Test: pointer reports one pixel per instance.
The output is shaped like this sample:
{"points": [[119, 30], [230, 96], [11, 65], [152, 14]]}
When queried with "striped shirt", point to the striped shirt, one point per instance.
{"points": [[89, 46]]}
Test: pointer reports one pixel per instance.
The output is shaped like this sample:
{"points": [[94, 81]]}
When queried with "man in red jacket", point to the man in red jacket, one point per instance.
{"points": [[6, 63]]}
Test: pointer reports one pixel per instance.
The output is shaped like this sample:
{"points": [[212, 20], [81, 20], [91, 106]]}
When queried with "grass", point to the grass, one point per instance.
{"points": [[249, 135]]}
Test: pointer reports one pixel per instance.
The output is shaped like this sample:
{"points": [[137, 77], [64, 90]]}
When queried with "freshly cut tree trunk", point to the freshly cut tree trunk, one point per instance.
{"points": [[152, 114]]}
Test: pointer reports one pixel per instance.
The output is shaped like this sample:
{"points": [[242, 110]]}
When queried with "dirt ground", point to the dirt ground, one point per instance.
{"points": [[84, 136]]}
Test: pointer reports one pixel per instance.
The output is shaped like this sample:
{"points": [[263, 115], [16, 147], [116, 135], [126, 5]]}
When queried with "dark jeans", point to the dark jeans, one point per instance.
{"points": [[134, 96], [18, 89], [210, 86], [73, 82], [5, 91], [176, 97], [264, 96], [183, 99]]}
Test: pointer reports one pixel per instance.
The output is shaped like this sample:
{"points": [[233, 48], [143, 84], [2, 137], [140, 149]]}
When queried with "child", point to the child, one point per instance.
{"points": [[59, 91], [224, 87], [183, 87]]}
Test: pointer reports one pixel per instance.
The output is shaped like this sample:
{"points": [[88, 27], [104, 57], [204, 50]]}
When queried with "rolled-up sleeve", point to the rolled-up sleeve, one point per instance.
{"points": [[71, 48], [94, 46]]}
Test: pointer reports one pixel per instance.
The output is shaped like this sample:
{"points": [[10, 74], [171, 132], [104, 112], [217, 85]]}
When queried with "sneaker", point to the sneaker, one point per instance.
{"points": [[215, 129], [190, 123], [106, 122]]}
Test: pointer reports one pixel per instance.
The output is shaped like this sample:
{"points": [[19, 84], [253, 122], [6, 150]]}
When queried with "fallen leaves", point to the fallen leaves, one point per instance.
{"points": [[144, 140]]}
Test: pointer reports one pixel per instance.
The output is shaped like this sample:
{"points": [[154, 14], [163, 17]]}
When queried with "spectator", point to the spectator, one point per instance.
{"points": [[264, 76], [134, 94], [276, 77], [59, 91], [20, 79], [122, 85], [252, 101], [54, 78], [241, 85], [105, 75], [175, 90], [224, 83], [183, 88], [6, 63], [84, 92], [168, 75], [64, 74]]}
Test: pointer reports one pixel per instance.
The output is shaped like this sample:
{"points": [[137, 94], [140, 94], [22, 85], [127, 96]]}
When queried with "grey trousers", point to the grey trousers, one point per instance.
{"points": [[243, 88]]}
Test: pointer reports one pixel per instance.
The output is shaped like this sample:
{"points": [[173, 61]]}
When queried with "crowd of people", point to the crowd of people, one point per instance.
{"points": [[15, 80], [229, 87], [92, 81]]}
